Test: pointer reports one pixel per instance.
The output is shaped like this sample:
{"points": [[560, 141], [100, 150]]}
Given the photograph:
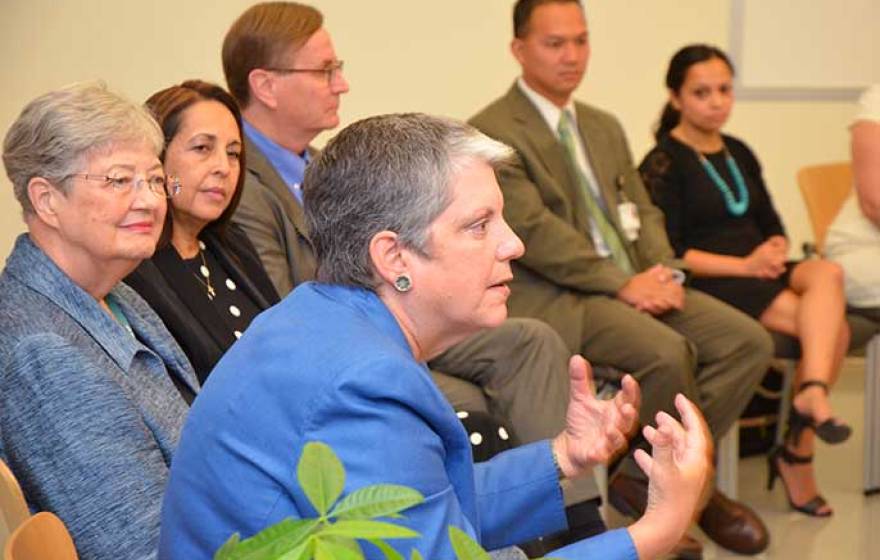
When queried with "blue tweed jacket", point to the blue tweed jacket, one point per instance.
{"points": [[89, 415]]}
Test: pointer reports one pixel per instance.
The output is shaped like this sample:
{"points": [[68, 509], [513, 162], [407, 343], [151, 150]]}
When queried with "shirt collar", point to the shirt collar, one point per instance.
{"points": [[548, 110], [32, 267], [290, 166]]}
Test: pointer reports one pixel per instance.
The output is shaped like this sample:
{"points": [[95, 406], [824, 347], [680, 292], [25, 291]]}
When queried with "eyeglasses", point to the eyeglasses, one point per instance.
{"points": [[330, 71], [123, 185]]}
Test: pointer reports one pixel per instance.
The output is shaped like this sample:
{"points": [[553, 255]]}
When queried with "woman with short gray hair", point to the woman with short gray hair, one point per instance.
{"points": [[414, 255], [93, 390]]}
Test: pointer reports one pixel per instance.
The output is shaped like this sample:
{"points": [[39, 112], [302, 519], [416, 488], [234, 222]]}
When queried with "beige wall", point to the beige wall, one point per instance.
{"points": [[446, 57]]}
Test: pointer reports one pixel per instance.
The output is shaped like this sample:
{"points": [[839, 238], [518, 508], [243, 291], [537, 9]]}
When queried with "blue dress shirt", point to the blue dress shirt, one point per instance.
{"points": [[290, 166]]}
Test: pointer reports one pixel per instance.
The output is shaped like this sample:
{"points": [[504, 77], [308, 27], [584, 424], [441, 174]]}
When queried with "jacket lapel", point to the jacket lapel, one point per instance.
{"points": [[33, 268], [235, 269], [158, 340], [267, 175], [604, 163], [550, 152], [192, 294], [29, 265]]}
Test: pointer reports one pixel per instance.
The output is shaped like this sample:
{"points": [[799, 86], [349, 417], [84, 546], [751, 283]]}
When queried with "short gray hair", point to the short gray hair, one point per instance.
{"points": [[58, 130], [390, 172]]}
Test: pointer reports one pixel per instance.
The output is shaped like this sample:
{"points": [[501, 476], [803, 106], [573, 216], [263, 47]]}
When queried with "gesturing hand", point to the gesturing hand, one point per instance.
{"points": [[595, 430], [678, 470]]}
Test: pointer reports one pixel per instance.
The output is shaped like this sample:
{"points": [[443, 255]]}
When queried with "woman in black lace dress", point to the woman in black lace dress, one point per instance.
{"points": [[721, 221]]}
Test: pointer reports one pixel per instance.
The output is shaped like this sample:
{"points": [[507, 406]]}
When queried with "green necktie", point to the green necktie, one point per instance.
{"points": [[606, 228]]}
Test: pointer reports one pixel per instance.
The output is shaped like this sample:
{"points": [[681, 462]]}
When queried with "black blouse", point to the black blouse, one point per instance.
{"points": [[234, 305], [203, 328], [696, 214]]}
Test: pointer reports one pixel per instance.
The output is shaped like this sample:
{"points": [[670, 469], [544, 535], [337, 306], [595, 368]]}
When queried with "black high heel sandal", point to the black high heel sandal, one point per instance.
{"points": [[829, 431], [811, 507]]}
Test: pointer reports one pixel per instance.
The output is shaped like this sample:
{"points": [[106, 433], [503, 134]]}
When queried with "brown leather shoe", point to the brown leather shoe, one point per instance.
{"points": [[629, 496], [734, 525]]}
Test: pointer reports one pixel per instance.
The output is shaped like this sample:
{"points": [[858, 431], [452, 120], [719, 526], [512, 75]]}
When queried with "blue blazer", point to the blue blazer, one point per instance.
{"points": [[330, 364], [89, 414]]}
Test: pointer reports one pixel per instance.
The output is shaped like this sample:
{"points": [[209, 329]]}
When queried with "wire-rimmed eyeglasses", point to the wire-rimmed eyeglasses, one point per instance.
{"points": [[160, 185], [330, 71]]}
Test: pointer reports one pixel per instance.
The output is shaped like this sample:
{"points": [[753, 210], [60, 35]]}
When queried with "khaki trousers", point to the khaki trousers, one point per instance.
{"points": [[709, 351], [518, 371]]}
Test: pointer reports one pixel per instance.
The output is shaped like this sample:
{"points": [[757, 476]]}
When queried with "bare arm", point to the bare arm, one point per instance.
{"points": [[866, 167], [704, 263], [767, 260]]}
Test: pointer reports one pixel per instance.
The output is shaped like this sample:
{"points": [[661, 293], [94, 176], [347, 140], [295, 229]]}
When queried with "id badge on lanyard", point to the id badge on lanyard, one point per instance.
{"points": [[628, 213]]}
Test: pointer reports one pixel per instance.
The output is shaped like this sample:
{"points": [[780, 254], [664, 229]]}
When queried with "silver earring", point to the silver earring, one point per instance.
{"points": [[403, 283]]}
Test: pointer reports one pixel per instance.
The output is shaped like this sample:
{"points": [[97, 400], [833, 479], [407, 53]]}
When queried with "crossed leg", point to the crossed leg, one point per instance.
{"points": [[813, 310]]}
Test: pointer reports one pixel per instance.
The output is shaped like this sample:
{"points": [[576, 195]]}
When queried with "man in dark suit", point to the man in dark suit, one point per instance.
{"points": [[598, 266], [281, 66]]}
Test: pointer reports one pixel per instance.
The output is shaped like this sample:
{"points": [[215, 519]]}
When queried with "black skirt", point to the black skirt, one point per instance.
{"points": [[750, 295]]}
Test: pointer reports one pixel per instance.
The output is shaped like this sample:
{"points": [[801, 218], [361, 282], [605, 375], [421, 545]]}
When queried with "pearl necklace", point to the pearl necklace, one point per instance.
{"points": [[734, 206]]}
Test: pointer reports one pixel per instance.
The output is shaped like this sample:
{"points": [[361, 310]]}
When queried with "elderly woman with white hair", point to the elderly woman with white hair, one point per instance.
{"points": [[93, 389], [414, 255]]}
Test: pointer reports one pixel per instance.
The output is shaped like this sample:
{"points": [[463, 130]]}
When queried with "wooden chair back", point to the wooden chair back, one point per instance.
{"points": [[824, 188], [41, 537], [13, 508]]}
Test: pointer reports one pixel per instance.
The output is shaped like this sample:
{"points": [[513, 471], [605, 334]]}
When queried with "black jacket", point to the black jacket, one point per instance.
{"points": [[177, 297]]}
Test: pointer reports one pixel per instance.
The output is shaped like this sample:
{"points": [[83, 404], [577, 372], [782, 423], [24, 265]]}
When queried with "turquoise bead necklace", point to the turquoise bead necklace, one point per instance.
{"points": [[734, 206]]}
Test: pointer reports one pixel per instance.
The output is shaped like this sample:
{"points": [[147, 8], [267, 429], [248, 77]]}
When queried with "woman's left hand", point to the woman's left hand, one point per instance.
{"points": [[767, 260], [596, 430]]}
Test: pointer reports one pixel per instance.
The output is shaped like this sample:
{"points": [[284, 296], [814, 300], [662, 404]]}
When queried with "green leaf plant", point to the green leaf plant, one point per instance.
{"points": [[341, 523]]}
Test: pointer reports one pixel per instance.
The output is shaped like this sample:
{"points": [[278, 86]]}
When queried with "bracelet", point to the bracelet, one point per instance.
{"points": [[559, 472], [678, 276]]}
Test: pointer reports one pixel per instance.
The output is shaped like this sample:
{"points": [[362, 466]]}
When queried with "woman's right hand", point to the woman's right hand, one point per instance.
{"points": [[767, 261], [679, 470]]}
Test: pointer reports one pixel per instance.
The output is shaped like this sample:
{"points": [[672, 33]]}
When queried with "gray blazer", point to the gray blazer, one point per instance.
{"points": [[89, 415], [274, 222]]}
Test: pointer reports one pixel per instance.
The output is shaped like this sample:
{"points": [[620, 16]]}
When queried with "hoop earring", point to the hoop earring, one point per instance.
{"points": [[403, 283]]}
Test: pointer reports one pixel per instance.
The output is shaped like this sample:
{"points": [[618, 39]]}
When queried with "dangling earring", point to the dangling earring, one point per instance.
{"points": [[403, 283], [173, 187]]}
